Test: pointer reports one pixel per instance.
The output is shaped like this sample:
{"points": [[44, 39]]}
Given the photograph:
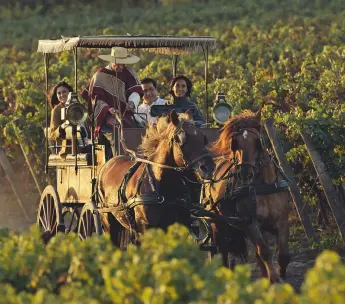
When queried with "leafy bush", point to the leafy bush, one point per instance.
{"points": [[167, 268]]}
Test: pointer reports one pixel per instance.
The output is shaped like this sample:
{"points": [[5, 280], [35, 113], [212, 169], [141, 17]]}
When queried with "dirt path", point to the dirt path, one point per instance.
{"points": [[11, 214], [301, 261]]}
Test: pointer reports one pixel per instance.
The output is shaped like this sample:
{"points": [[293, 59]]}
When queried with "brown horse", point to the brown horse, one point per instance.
{"points": [[150, 191], [252, 189]]}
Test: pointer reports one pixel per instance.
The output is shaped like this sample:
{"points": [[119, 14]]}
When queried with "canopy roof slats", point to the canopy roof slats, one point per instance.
{"points": [[157, 44]]}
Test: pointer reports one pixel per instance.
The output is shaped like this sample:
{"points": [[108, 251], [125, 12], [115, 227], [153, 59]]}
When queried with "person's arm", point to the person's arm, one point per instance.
{"points": [[55, 122], [132, 85], [134, 100], [198, 118]]}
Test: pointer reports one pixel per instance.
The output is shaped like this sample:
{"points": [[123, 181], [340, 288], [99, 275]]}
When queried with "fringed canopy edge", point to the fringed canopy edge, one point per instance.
{"points": [[170, 45]]}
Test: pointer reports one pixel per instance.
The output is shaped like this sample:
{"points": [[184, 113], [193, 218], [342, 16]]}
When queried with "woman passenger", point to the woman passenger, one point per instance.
{"points": [[57, 99], [180, 91]]}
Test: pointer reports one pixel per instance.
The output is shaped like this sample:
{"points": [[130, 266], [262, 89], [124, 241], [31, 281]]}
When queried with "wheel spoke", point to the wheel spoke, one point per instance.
{"points": [[52, 215], [91, 222], [88, 223], [43, 224], [84, 228], [53, 224], [49, 212], [44, 206]]}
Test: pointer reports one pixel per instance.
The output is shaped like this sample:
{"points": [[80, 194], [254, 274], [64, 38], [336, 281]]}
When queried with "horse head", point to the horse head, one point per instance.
{"points": [[241, 141], [189, 146], [246, 146]]}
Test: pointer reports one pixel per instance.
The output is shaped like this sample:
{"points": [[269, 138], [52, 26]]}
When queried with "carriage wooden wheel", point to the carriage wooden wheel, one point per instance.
{"points": [[89, 222], [49, 217]]}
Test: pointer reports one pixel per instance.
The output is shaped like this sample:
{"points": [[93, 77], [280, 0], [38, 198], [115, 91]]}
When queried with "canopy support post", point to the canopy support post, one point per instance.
{"points": [[174, 64], [205, 51], [75, 53], [46, 68]]}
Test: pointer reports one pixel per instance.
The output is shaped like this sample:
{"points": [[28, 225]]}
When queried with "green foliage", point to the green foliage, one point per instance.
{"points": [[166, 268], [325, 282], [285, 55]]}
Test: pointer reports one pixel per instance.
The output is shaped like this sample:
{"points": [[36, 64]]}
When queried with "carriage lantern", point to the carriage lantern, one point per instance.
{"points": [[222, 110], [74, 112]]}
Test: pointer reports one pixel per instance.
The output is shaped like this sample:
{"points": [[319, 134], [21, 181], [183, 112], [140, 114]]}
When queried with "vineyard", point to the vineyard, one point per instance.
{"points": [[287, 57], [167, 268]]}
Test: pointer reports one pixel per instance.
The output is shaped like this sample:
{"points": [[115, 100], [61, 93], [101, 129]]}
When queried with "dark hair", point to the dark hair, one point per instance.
{"points": [[53, 100], [188, 83], [149, 80]]}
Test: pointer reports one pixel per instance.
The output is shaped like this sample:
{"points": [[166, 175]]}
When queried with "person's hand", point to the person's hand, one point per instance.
{"points": [[112, 111], [130, 106], [65, 124]]}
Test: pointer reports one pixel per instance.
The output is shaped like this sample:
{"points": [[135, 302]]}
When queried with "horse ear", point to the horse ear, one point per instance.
{"points": [[258, 115], [174, 118], [189, 115]]}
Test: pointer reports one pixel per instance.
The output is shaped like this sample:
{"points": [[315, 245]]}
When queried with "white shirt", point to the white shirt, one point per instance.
{"points": [[145, 109]]}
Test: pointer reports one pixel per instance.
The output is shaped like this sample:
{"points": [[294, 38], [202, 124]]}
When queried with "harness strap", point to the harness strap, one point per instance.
{"points": [[261, 189], [125, 180], [146, 199], [179, 169]]}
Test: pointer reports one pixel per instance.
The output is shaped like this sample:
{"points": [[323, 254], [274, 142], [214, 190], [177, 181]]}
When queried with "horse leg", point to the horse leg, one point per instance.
{"points": [[259, 262], [283, 248], [263, 251], [237, 247], [261, 265], [220, 241]]}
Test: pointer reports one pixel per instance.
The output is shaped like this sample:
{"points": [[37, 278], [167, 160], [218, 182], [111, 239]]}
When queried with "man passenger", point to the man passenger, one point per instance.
{"points": [[150, 98]]}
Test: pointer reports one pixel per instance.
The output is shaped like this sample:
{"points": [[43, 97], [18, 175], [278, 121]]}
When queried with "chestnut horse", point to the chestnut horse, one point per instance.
{"points": [[252, 188], [150, 191]]}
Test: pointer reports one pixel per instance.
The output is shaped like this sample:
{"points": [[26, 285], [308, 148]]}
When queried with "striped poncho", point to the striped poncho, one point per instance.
{"points": [[111, 89]]}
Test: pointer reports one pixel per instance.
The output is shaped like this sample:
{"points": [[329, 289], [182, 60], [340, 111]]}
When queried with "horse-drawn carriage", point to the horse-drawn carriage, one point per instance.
{"points": [[128, 193], [73, 205]]}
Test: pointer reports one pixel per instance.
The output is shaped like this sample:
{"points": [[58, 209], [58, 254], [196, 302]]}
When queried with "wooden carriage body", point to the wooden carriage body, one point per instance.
{"points": [[74, 174]]}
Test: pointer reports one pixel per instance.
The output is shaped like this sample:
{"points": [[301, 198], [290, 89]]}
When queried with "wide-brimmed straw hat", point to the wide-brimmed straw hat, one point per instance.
{"points": [[119, 55]]}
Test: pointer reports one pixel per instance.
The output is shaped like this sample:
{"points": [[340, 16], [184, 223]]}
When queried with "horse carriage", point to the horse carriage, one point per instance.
{"points": [[73, 205], [242, 191]]}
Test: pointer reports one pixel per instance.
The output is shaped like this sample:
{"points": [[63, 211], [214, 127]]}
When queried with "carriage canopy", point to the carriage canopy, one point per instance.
{"points": [[158, 44]]}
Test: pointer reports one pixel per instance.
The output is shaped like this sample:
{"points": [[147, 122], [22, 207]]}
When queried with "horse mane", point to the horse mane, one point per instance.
{"points": [[156, 135], [247, 119]]}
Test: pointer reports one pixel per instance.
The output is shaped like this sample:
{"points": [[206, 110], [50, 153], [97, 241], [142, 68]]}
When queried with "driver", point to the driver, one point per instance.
{"points": [[114, 88]]}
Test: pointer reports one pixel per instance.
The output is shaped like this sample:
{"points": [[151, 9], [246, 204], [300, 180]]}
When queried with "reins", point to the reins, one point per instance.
{"points": [[146, 161], [213, 181]]}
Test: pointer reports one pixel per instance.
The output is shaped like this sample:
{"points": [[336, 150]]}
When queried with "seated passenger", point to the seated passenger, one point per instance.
{"points": [[150, 99], [180, 90], [57, 99]]}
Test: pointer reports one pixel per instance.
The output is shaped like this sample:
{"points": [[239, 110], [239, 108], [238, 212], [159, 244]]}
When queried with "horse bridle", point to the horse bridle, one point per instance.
{"points": [[187, 164], [256, 165]]}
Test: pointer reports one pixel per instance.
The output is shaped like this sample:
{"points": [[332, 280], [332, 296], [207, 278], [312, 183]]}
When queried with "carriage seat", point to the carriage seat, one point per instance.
{"points": [[63, 145]]}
